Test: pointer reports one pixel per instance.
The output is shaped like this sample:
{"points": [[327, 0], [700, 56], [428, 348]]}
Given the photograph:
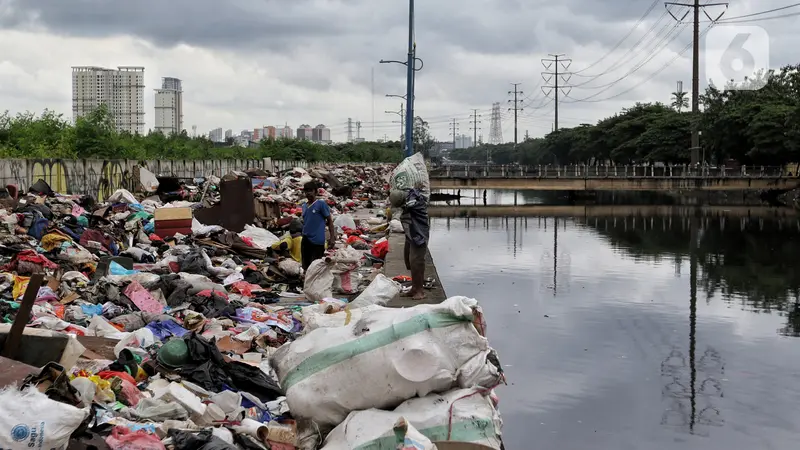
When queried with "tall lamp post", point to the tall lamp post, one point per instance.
{"points": [[411, 69]]}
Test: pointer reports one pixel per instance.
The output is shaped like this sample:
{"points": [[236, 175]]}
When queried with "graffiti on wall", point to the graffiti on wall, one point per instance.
{"points": [[101, 178]]}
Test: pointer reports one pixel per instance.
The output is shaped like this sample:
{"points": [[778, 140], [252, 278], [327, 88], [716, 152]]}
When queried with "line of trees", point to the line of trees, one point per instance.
{"points": [[753, 126], [50, 135]]}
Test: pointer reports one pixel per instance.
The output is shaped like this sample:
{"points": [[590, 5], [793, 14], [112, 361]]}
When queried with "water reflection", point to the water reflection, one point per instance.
{"points": [[666, 332]]}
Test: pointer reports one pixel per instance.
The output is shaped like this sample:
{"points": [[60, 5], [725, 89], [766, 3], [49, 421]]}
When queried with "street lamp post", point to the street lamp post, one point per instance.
{"points": [[411, 69]]}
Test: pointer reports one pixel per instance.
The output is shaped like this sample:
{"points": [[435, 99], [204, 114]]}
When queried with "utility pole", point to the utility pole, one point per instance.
{"points": [[526, 135], [516, 107], [695, 8], [553, 76], [402, 114], [454, 132], [475, 123]]}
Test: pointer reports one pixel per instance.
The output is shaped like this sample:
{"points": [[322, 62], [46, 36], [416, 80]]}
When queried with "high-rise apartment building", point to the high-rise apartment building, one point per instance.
{"points": [[169, 106], [228, 134], [304, 132], [216, 135], [121, 90], [321, 133], [287, 132], [270, 132], [463, 141], [258, 134]]}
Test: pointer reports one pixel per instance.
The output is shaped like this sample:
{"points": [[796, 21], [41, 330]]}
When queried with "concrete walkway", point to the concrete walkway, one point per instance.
{"points": [[395, 265]]}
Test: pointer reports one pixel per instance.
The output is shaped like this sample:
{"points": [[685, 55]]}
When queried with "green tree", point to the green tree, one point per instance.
{"points": [[679, 100]]}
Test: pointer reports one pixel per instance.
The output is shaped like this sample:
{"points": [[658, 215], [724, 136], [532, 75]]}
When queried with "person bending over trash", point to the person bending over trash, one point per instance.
{"points": [[416, 226], [316, 214], [291, 243]]}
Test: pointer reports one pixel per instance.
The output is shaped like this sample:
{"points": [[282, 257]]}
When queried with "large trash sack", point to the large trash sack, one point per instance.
{"points": [[411, 173], [473, 418], [29, 419], [380, 292], [319, 280], [396, 354]]}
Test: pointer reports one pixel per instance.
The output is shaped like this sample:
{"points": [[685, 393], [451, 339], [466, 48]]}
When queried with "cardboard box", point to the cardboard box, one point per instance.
{"points": [[170, 221]]}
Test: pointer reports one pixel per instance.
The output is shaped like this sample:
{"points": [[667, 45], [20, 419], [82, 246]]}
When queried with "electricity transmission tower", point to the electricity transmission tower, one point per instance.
{"points": [[496, 129], [474, 126], [454, 132], [695, 8], [516, 107], [547, 76], [358, 130]]}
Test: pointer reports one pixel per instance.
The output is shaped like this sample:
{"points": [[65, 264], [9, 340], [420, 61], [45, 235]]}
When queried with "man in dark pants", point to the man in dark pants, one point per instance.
{"points": [[316, 214], [417, 230]]}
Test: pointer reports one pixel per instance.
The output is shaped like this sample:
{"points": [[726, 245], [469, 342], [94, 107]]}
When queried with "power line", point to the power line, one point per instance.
{"points": [[626, 75], [475, 127], [635, 26], [658, 39], [695, 8], [623, 59], [782, 16], [653, 75], [516, 107], [454, 132], [565, 77], [794, 5]]}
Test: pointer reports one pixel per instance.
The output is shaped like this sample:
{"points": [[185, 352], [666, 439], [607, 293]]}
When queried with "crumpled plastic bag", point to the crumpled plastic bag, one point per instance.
{"points": [[260, 237], [122, 438], [122, 196], [344, 221]]}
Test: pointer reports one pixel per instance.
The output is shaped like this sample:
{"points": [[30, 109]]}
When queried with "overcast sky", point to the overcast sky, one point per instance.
{"points": [[251, 63]]}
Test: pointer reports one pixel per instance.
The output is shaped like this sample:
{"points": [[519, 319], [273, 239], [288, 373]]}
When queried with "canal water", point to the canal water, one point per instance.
{"points": [[661, 332]]}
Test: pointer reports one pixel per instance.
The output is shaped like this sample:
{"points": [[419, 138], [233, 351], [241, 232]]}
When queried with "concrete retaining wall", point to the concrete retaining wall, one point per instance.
{"points": [[100, 178]]}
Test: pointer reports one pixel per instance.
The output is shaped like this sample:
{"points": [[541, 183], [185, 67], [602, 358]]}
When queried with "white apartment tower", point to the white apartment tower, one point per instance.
{"points": [[121, 90], [169, 106]]}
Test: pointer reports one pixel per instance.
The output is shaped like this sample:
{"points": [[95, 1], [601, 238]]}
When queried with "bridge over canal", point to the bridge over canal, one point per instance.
{"points": [[613, 178]]}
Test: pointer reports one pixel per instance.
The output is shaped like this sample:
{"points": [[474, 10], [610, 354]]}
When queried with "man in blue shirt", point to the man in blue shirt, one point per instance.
{"points": [[316, 214]]}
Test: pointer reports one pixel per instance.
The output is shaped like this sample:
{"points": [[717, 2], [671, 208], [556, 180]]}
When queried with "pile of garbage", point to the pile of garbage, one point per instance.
{"points": [[136, 324]]}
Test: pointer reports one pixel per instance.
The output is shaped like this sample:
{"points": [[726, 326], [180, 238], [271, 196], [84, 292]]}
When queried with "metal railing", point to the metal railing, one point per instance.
{"points": [[602, 172]]}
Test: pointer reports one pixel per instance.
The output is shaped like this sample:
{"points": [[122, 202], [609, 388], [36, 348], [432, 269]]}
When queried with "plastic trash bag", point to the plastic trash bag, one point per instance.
{"points": [[261, 238], [467, 415], [396, 226], [380, 292], [29, 419], [122, 438], [344, 221], [114, 268], [122, 196], [319, 280], [396, 353]]}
